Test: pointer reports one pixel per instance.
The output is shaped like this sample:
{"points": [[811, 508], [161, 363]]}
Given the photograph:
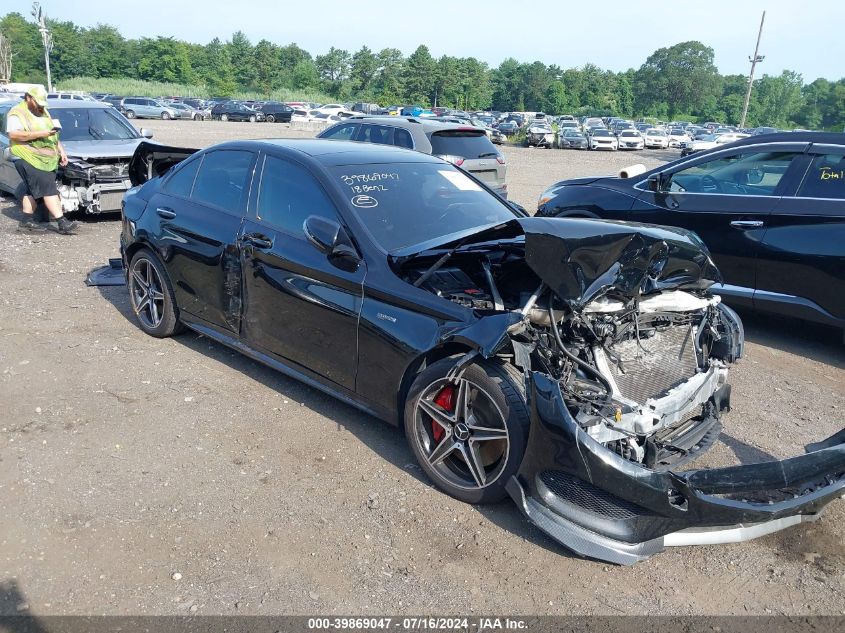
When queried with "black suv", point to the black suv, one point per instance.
{"points": [[234, 111], [275, 112], [770, 208]]}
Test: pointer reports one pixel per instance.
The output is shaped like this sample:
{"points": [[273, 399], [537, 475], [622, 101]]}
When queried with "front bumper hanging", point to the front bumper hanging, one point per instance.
{"points": [[602, 506]]}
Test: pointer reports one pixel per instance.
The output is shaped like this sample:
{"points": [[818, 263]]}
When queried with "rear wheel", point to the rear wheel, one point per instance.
{"points": [[252, 118], [130, 114], [165, 116], [224, 117], [151, 296], [469, 436], [270, 118]]}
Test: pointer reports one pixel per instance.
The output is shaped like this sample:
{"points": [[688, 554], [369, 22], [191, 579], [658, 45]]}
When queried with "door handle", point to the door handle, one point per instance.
{"points": [[257, 240], [164, 212], [747, 224]]}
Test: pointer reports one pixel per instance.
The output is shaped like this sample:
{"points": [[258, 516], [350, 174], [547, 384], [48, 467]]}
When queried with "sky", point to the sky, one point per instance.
{"points": [[804, 36]]}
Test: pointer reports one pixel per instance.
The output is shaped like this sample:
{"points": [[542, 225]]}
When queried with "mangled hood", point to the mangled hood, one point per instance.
{"points": [[152, 159], [87, 150], [581, 259]]}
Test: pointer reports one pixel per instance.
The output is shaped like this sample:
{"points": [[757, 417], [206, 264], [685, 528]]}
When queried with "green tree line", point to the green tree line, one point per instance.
{"points": [[677, 82]]}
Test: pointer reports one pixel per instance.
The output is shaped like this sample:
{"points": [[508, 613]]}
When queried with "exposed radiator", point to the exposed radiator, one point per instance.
{"points": [[656, 364], [110, 200]]}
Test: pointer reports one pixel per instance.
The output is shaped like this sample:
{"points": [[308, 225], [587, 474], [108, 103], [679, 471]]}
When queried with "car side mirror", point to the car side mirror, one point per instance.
{"points": [[655, 183], [146, 133], [330, 238]]}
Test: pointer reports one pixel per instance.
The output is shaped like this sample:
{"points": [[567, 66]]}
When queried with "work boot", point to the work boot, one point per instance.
{"points": [[29, 225], [67, 227]]}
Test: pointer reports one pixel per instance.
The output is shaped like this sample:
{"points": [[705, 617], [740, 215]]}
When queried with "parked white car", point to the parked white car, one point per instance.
{"points": [[656, 139], [630, 139], [710, 141], [332, 108], [603, 139], [677, 136]]}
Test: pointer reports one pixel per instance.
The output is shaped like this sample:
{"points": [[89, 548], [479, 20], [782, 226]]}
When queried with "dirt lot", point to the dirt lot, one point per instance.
{"points": [[145, 476]]}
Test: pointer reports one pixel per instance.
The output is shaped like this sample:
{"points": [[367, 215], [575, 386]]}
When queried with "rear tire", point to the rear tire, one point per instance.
{"points": [[151, 296], [252, 118], [224, 117], [270, 118], [483, 448], [165, 116], [130, 114]]}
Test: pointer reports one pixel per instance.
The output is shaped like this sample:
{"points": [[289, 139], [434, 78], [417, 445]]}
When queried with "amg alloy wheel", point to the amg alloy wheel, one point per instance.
{"points": [[468, 435], [152, 296]]}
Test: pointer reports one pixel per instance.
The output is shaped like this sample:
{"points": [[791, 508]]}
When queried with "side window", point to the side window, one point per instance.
{"points": [[380, 134], [289, 194], [341, 132], [825, 178], [749, 173], [181, 181], [223, 178], [3, 112], [402, 138]]}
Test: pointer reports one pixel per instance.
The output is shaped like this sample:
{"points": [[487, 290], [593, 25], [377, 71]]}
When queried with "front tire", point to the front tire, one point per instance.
{"points": [[270, 118], [468, 437], [165, 116], [252, 118], [130, 114], [151, 296], [224, 117]]}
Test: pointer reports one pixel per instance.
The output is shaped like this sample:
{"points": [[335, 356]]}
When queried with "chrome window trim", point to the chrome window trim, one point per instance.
{"points": [[789, 145]]}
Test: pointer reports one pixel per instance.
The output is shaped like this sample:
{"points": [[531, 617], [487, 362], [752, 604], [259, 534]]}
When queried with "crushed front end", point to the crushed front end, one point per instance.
{"points": [[93, 185], [601, 505], [625, 353]]}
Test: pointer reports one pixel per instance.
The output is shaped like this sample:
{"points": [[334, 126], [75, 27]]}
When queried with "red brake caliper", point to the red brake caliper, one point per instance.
{"points": [[445, 400]]}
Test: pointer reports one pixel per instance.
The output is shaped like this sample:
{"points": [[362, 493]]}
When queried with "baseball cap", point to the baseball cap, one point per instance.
{"points": [[39, 94]]}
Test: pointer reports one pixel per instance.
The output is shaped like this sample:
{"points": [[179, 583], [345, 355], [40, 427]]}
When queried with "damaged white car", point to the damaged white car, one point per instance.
{"points": [[99, 142]]}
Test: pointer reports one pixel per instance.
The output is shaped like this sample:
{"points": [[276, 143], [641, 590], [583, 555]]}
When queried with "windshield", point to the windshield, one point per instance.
{"points": [[601, 132], [572, 133], [629, 134], [93, 124], [655, 133], [404, 204]]}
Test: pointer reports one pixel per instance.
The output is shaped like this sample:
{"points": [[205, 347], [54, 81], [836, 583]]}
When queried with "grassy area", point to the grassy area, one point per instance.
{"points": [[140, 88]]}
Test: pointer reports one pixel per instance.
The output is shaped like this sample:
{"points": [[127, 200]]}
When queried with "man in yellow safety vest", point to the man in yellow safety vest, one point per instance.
{"points": [[34, 141]]}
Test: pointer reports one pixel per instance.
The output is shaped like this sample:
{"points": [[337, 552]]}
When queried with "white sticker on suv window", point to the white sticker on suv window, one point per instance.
{"points": [[461, 182]]}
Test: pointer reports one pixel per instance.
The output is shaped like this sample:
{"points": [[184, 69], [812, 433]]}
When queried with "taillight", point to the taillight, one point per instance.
{"points": [[500, 159], [457, 161]]}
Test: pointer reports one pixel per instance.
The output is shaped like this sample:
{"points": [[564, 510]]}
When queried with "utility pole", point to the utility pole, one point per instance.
{"points": [[46, 39], [754, 61]]}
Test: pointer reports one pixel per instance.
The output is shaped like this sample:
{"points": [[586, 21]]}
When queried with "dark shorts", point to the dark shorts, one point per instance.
{"points": [[36, 182]]}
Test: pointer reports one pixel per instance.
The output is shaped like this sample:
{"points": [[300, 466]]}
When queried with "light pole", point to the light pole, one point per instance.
{"points": [[46, 39], [754, 61]]}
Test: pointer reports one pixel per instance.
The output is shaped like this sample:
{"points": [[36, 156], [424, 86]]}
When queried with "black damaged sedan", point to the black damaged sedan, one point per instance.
{"points": [[574, 365]]}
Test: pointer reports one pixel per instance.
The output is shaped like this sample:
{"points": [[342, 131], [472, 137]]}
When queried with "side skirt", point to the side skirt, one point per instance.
{"points": [[237, 345]]}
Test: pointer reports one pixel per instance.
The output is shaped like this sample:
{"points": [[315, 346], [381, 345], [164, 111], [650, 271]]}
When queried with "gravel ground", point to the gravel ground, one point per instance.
{"points": [[144, 476]]}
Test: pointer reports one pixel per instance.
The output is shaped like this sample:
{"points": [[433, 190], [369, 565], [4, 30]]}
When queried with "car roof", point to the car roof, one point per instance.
{"points": [[413, 123], [60, 104], [833, 138], [331, 153]]}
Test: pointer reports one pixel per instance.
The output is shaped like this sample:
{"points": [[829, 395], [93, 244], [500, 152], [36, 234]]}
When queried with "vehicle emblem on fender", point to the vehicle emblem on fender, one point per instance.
{"points": [[364, 201]]}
